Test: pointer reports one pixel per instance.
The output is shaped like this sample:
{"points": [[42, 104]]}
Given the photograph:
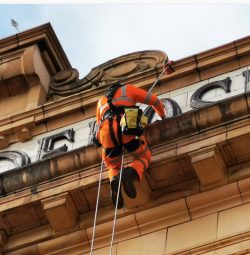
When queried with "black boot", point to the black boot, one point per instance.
{"points": [[114, 184], [129, 175]]}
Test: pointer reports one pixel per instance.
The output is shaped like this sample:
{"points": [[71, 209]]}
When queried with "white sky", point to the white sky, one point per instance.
{"points": [[93, 33]]}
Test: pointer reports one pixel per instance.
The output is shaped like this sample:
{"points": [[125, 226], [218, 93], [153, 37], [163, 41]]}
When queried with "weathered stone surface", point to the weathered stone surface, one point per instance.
{"points": [[60, 211], [26, 176]]}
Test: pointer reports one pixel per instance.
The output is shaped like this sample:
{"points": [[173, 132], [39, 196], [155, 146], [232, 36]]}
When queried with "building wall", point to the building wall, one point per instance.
{"points": [[194, 199], [82, 129]]}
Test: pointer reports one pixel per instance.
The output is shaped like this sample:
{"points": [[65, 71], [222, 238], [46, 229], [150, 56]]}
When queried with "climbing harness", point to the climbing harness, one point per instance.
{"points": [[132, 122]]}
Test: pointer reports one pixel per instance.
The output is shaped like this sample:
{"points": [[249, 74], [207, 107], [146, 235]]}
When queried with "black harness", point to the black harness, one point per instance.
{"points": [[114, 111], [109, 114]]}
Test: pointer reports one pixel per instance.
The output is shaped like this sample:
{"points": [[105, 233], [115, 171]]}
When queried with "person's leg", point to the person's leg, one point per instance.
{"points": [[142, 157], [112, 159], [139, 150]]}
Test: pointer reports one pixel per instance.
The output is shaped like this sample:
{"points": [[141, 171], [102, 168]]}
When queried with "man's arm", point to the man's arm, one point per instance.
{"points": [[141, 96]]}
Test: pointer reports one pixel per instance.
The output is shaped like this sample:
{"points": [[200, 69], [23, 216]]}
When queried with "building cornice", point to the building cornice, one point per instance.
{"points": [[46, 39], [189, 70]]}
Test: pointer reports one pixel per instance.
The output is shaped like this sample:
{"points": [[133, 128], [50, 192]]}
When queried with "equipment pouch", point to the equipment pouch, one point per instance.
{"points": [[133, 121]]}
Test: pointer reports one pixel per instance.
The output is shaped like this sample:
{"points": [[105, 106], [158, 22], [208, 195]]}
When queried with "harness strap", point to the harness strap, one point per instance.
{"points": [[112, 134], [110, 95], [119, 129]]}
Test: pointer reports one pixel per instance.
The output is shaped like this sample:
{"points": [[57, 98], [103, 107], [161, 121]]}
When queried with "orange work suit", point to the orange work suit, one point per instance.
{"points": [[127, 95]]}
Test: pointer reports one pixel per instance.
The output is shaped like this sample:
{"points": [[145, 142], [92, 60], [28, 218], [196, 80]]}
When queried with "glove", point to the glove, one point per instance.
{"points": [[96, 142]]}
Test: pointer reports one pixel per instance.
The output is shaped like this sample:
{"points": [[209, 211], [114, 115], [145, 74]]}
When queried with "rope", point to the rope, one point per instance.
{"points": [[96, 207], [116, 204], [164, 69], [118, 193]]}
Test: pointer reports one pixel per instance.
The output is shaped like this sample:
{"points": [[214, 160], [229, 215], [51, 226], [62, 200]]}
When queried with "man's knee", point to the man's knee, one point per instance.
{"points": [[133, 145], [113, 152]]}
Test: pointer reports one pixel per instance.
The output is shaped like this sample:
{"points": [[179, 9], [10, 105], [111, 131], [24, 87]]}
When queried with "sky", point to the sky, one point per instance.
{"points": [[91, 33]]}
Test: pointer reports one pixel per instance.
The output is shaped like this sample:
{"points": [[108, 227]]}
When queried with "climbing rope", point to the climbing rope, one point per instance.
{"points": [[116, 205], [96, 207], [119, 185]]}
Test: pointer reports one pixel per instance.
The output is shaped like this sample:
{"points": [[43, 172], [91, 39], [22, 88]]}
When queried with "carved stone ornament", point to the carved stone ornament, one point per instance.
{"points": [[64, 81], [67, 82], [196, 99]]}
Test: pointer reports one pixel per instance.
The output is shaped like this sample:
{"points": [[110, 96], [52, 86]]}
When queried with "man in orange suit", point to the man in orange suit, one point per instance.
{"points": [[109, 111]]}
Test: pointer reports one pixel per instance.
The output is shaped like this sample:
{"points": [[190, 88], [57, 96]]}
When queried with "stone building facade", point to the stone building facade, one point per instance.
{"points": [[194, 199]]}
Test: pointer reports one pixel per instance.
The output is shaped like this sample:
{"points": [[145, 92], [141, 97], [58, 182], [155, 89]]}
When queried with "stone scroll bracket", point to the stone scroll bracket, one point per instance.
{"points": [[209, 167], [124, 69], [60, 211], [24, 80]]}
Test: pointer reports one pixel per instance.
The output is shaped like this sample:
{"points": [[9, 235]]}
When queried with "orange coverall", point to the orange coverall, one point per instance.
{"points": [[127, 95]]}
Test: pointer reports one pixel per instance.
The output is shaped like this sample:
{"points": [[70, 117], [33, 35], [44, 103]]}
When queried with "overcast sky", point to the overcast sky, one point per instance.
{"points": [[92, 34]]}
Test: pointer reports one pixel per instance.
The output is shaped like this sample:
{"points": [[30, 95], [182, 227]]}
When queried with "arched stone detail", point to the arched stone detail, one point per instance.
{"points": [[196, 101], [67, 82], [19, 158], [173, 109]]}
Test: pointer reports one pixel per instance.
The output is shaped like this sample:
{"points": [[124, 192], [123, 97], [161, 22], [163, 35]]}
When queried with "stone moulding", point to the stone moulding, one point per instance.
{"points": [[47, 40], [67, 82], [169, 130], [134, 224]]}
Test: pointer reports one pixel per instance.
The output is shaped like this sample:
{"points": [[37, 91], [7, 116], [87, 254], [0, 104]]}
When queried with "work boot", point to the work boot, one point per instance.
{"points": [[129, 175], [114, 184]]}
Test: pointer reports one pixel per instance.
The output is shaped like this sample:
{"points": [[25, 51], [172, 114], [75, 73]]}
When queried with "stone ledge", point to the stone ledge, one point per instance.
{"points": [[186, 125]]}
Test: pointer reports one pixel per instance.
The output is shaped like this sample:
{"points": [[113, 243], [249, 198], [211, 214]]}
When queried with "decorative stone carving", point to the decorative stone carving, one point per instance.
{"points": [[196, 101], [24, 135], [18, 158], [67, 83], [46, 147], [64, 81], [209, 166]]}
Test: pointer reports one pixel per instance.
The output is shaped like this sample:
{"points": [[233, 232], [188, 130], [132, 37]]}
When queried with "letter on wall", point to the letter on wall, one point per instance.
{"points": [[246, 75], [196, 99], [46, 145], [172, 107], [18, 158]]}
